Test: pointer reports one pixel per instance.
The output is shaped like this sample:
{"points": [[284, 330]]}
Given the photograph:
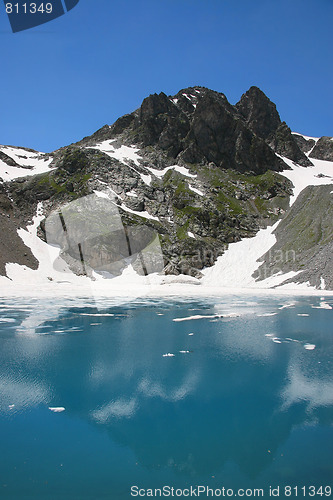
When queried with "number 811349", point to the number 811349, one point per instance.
{"points": [[29, 8]]}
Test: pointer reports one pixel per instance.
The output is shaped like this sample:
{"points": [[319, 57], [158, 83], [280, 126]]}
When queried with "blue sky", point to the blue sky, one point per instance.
{"points": [[64, 80]]}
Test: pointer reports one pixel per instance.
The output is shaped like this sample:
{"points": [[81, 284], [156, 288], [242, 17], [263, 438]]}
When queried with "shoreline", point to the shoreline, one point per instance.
{"points": [[137, 291]]}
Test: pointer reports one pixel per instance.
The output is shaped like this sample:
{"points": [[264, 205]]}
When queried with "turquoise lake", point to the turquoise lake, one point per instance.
{"points": [[236, 393]]}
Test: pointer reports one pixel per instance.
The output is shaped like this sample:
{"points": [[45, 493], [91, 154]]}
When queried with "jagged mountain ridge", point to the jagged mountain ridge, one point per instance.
{"points": [[199, 125], [201, 172]]}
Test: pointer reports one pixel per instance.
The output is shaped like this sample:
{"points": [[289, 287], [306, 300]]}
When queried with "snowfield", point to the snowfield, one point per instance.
{"points": [[29, 163], [236, 266]]}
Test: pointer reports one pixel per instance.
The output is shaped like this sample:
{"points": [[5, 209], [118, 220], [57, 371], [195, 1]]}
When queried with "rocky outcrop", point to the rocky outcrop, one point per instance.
{"points": [[259, 113], [7, 159], [12, 248], [261, 116], [304, 144], [304, 241], [323, 149]]}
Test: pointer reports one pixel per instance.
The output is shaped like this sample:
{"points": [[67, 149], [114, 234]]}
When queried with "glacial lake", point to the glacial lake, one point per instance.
{"points": [[236, 393]]}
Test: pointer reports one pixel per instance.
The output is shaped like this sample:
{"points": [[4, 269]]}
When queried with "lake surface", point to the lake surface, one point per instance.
{"points": [[239, 401]]}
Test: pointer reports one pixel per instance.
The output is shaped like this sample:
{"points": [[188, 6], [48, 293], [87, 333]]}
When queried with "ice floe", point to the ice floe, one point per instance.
{"points": [[322, 305], [267, 314], [57, 409], [207, 316]]}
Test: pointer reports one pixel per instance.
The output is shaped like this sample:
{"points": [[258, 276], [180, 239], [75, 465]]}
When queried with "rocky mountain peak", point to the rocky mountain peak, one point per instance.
{"points": [[259, 112], [262, 117], [197, 126], [197, 170]]}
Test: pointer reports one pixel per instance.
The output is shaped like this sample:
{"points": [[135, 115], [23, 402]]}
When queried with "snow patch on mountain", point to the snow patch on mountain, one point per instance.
{"points": [[321, 173], [236, 266], [46, 256], [307, 137], [122, 153], [143, 214], [27, 163], [160, 173]]}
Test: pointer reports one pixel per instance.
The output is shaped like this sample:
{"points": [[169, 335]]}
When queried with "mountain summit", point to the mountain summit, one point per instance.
{"points": [[196, 170]]}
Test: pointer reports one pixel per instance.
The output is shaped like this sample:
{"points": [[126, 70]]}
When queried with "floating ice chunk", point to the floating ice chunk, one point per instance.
{"points": [[197, 316], [269, 334], [191, 334], [303, 314], [184, 352], [168, 355], [7, 320], [208, 316], [286, 306], [11, 406], [56, 409], [276, 340], [96, 314], [322, 305], [268, 314], [309, 347]]}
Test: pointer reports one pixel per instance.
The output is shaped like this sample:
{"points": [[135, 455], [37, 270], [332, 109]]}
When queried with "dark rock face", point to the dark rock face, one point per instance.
{"points": [[284, 143], [323, 149], [259, 112], [262, 118], [305, 145], [161, 123], [200, 126], [7, 159], [12, 248], [219, 136]]}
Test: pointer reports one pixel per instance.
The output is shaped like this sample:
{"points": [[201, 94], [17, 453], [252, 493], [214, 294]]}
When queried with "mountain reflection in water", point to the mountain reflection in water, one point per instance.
{"points": [[244, 396]]}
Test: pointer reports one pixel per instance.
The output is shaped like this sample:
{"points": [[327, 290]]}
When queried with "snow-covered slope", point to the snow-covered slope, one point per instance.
{"points": [[21, 162], [243, 258]]}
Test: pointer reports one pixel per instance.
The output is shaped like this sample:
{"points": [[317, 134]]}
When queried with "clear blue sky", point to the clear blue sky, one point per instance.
{"points": [[64, 80]]}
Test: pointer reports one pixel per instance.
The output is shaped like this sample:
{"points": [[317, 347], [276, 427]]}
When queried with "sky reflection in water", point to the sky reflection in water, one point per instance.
{"points": [[245, 403]]}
